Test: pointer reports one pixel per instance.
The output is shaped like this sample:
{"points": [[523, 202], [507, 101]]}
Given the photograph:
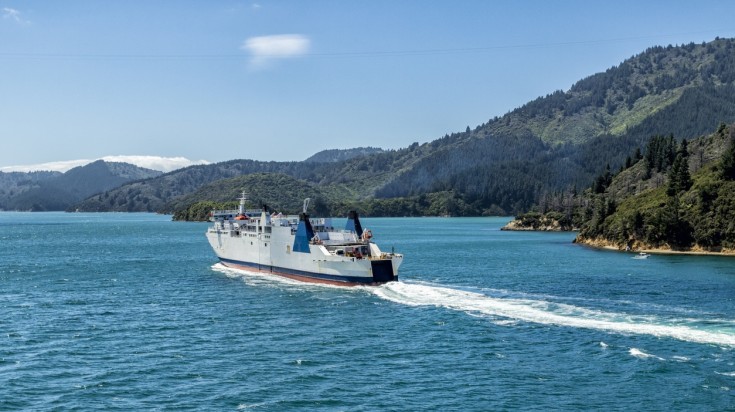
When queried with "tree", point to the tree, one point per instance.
{"points": [[727, 162], [638, 222], [679, 178], [660, 153]]}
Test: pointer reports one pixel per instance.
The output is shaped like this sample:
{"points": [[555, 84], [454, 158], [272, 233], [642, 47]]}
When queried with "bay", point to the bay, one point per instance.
{"points": [[132, 312]]}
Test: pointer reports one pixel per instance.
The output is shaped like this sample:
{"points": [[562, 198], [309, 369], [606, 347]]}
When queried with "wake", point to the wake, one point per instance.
{"points": [[550, 313], [511, 310]]}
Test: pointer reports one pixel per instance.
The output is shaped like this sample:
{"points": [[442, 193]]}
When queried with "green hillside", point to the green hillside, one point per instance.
{"points": [[333, 200], [222, 194], [677, 197], [619, 100], [565, 139]]}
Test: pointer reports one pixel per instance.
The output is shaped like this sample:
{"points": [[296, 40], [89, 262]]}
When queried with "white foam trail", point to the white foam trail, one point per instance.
{"points": [[642, 355], [725, 373], [543, 312], [252, 277], [243, 406]]}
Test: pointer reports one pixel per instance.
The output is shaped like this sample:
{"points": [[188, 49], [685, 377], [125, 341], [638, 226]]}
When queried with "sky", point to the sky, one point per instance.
{"points": [[209, 81]]}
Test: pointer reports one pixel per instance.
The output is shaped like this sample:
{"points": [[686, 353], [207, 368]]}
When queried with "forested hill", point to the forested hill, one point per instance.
{"points": [[218, 195], [565, 138], [622, 100], [676, 197], [555, 143]]}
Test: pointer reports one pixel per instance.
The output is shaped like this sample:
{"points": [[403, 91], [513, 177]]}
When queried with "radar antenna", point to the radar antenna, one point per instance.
{"points": [[306, 203]]}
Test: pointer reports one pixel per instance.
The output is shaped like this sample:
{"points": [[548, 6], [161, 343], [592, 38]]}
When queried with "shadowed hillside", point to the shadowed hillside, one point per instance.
{"points": [[57, 191]]}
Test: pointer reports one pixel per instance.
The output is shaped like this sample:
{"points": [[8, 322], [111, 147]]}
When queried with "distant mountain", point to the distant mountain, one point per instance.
{"points": [[15, 183], [45, 191], [557, 143], [338, 155], [355, 179]]}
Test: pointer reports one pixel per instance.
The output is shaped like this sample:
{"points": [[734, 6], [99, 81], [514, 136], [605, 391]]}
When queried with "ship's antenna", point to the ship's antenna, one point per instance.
{"points": [[306, 203]]}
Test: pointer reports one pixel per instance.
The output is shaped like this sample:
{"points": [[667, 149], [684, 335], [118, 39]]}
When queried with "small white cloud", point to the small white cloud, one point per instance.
{"points": [[265, 49], [13, 14], [255, 6], [9, 13], [164, 164]]}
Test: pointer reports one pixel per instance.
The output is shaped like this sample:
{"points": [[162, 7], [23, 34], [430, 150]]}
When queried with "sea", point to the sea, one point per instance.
{"points": [[134, 312]]}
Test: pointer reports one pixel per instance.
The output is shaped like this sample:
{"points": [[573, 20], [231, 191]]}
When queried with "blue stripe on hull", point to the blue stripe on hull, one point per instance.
{"points": [[294, 272]]}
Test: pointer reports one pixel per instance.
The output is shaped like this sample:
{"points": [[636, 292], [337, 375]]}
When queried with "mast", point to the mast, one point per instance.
{"points": [[243, 199]]}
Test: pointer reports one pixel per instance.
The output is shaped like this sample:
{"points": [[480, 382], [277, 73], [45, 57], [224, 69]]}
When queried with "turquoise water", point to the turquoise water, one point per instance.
{"points": [[132, 312]]}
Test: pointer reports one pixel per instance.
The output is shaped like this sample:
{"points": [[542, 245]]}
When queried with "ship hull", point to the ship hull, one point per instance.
{"points": [[304, 276]]}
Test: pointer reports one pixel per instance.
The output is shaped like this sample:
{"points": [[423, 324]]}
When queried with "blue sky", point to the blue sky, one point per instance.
{"points": [[282, 80]]}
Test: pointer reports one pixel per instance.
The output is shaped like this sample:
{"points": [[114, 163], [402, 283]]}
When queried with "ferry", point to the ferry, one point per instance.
{"points": [[299, 247]]}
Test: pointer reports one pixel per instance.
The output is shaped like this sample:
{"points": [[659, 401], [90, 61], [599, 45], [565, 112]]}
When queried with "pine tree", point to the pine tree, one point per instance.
{"points": [[679, 178]]}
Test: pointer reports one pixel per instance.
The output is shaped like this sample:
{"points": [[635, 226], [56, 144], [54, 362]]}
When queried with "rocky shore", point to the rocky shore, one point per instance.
{"points": [[601, 243], [538, 222]]}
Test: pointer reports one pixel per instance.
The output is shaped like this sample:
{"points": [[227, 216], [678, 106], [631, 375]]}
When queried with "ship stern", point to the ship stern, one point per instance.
{"points": [[382, 270]]}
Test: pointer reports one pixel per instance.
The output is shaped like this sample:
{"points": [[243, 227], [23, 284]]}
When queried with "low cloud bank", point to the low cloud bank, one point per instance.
{"points": [[164, 164]]}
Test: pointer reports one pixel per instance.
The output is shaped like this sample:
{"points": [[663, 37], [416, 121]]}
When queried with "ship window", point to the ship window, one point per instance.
{"points": [[288, 249]]}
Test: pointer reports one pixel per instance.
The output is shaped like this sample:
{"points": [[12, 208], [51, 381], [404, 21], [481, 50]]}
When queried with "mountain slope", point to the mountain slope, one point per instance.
{"points": [[13, 184], [358, 177], [338, 155], [223, 194], [555, 143], [621, 98], [151, 195], [63, 190], [569, 137]]}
